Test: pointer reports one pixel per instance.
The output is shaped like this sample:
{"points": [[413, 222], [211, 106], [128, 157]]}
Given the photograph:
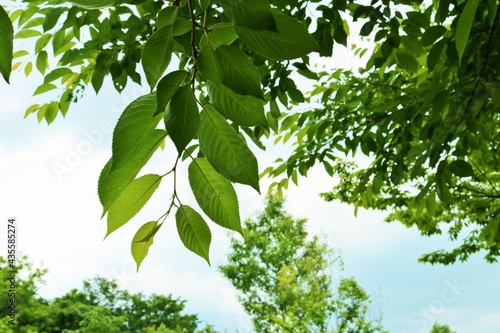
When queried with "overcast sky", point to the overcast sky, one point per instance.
{"points": [[48, 181]]}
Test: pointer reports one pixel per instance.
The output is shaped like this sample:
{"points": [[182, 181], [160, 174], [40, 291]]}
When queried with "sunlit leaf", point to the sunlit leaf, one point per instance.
{"points": [[139, 247], [156, 54], [131, 200], [215, 194], [193, 231], [226, 150]]}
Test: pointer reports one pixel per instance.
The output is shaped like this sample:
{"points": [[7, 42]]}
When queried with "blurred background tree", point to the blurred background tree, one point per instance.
{"points": [[287, 280]]}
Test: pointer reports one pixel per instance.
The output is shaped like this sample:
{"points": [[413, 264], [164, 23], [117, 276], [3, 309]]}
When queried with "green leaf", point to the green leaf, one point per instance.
{"points": [[243, 110], [464, 26], [182, 117], [20, 53], [238, 72], [220, 34], [420, 19], [28, 68], [215, 194], [432, 34], [291, 41], [226, 150], [430, 204], [407, 61], [93, 4], [156, 54], [56, 74], [51, 112], [42, 42], [461, 168], [111, 184], [435, 55], [140, 247], [6, 44], [131, 201], [27, 33], [443, 191], [167, 87], [42, 61], [204, 4], [209, 65], [193, 231], [31, 109], [132, 129], [51, 18], [255, 14], [44, 88]]}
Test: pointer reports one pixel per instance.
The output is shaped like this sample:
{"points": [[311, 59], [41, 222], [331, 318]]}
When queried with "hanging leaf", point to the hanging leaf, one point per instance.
{"points": [[167, 87], [133, 128], [93, 4], [140, 247], [226, 150], [238, 72], [432, 34], [193, 231], [111, 184], [291, 41], [156, 54], [6, 44], [215, 194], [407, 61], [131, 200], [209, 65], [182, 117], [255, 14], [464, 26], [243, 110], [443, 191], [461, 168]]}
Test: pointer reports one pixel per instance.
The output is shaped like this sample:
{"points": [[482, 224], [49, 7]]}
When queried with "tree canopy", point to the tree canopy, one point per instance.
{"points": [[285, 278], [99, 306], [423, 110]]}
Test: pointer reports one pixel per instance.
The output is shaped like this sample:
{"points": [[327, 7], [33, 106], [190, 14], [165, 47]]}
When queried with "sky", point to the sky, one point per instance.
{"points": [[48, 182]]}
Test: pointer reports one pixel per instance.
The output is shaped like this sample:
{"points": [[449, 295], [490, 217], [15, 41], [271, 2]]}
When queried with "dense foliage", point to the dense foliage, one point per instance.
{"points": [[287, 282], [99, 306], [424, 109]]}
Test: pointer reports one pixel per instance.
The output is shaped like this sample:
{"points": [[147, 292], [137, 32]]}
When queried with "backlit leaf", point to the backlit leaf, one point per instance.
{"points": [[131, 200], [209, 65], [193, 231], [156, 54], [238, 72], [255, 14], [167, 87], [243, 110], [182, 117], [291, 41], [111, 184], [139, 247], [226, 150], [215, 194], [133, 128]]}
